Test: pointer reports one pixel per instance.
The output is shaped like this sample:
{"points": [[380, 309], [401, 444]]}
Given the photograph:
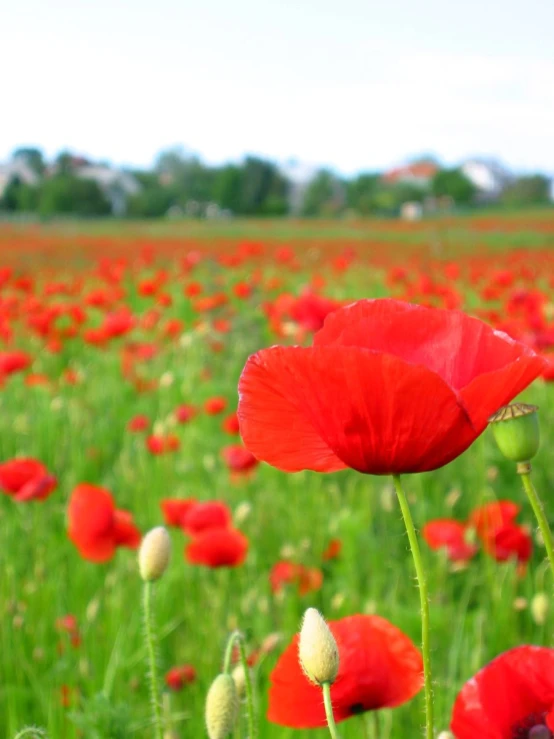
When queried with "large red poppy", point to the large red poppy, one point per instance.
{"points": [[26, 479], [509, 698], [379, 667], [96, 527], [387, 387]]}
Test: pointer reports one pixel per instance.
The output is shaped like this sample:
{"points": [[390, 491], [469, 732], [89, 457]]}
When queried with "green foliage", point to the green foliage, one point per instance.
{"points": [[19, 197], [452, 183], [33, 158], [66, 194], [361, 193], [324, 195], [99, 718], [529, 190]]}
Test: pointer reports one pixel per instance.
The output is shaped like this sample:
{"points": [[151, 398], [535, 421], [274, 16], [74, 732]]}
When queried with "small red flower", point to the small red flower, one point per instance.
{"points": [[177, 677], [230, 424], [14, 361], [387, 387], [175, 509], [510, 698], [446, 533], [26, 479], [184, 413], [238, 459], [307, 579], [96, 527], [211, 514], [215, 405], [379, 667], [333, 550], [138, 423], [220, 547], [157, 445]]}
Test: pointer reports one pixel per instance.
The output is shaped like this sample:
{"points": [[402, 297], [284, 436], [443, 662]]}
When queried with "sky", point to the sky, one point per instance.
{"points": [[355, 85]]}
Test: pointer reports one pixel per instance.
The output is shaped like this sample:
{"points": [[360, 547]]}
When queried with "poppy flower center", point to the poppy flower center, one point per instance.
{"points": [[532, 727]]}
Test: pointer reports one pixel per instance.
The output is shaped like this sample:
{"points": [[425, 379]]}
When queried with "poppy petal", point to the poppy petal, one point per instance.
{"points": [[307, 408]]}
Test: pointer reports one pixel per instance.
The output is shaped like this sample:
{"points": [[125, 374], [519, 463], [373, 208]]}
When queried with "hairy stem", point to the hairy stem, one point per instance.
{"points": [[152, 664], [538, 510]]}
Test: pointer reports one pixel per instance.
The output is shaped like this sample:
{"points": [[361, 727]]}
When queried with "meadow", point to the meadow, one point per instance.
{"points": [[121, 350]]}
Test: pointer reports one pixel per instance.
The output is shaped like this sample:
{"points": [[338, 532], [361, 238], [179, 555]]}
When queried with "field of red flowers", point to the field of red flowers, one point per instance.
{"points": [[120, 359]]}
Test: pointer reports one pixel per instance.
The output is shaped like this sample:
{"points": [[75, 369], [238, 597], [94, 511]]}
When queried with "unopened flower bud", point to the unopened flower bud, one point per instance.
{"points": [[445, 735], [222, 705], [239, 678], [154, 553], [540, 606], [516, 430], [317, 649]]}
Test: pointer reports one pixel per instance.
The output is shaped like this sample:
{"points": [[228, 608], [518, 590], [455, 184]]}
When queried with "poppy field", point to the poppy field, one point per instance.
{"points": [[277, 396]]}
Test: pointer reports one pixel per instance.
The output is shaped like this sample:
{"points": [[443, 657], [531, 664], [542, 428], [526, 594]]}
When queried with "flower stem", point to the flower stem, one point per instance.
{"points": [[237, 637], [152, 664], [424, 603], [329, 710], [538, 510]]}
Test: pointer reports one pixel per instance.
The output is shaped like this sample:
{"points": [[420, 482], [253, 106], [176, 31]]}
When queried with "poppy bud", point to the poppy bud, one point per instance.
{"points": [[516, 430], [539, 608], [445, 735], [239, 678], [154, 554], [222, 705], [317, 649]]}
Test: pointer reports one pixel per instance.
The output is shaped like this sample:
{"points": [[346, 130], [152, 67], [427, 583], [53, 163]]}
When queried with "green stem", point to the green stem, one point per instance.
{"points": [[538, 510], [329, 710], [424, 603], [237, 637], [153, 666], [31, 731]]}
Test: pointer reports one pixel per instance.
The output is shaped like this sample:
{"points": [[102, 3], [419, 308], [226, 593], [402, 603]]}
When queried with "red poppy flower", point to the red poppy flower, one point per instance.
{"points": [[184, 413], [492, 516], [157, 445], [215, 405], [387, 387], [96, 527], [177, 677], [14, 361], [211, 514], [510, 698], [238, 458], [446, 533], [138, 423], [230, 424], [26, 479], [307, 579], [175, 509], [333, 550], [379, 667], [221, 547]]}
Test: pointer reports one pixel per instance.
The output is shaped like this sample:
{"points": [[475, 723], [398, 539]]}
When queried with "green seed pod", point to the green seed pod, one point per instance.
{"points": [[516, 431], [222, 706]]}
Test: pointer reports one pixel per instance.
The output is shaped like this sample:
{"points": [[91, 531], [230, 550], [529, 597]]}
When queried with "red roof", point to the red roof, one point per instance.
{"points": [[419, 171]]}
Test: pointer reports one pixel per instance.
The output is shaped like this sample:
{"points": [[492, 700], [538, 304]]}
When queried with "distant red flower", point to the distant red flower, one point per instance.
{"points": [[211, 514], [238, 459], [96, 527], [26, 479], [333, 550], [230, 424], [510, 698], [177, 677], [14, 361], [138, 423], [387, 387], [493, 524], [175, 509], [306, 579], [69, 624], [220, 547], [157, 445], [379, 667], [215, 405], [184, 413]]}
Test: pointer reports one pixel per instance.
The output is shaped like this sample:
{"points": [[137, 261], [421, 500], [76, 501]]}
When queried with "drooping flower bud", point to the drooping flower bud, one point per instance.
{"points": [[317, 649], [516, 430], [222, 705], [540, 606], [154, 554]]}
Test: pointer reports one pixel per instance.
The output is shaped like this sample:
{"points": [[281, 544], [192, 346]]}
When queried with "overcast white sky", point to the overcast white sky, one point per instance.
{"points": [[355, 84]]}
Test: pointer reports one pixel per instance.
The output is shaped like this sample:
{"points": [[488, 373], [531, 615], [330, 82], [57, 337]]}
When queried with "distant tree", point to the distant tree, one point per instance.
{"points": [[361, 191], [454, 184], [227, 186], [324, 195], [389, 198], [529, 190], [66, 194], [32, 157]]}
